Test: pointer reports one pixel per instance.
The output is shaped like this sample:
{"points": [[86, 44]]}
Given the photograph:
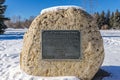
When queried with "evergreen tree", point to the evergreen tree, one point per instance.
{"points": [[108, 18], [111, 22], [102, 19], [116, 23], [2, 18], [97, 18]]}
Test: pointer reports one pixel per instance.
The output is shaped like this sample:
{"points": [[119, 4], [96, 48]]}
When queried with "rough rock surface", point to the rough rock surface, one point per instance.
{"points": [[64, 19]]}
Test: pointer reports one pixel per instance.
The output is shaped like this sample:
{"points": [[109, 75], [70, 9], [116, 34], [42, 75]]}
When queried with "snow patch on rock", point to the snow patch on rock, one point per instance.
{"points": [[56, 8]]}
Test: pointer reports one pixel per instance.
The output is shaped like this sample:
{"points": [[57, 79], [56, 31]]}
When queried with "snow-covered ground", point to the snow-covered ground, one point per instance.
{"points": [[11, 44], [112, 53]]}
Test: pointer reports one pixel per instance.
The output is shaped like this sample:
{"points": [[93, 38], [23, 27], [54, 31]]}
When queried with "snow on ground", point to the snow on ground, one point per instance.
{"points": [[112, 53], [11, 44]]}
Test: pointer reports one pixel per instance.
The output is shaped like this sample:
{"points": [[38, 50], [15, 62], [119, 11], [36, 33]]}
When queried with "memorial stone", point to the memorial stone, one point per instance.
{"points": [[62, 41]]}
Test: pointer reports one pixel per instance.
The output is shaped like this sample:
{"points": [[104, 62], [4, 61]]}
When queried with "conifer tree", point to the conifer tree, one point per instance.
{"points": [[111, 22], [97, 17], [102, 19], [107, 21], [2, 17], [116, 23]]}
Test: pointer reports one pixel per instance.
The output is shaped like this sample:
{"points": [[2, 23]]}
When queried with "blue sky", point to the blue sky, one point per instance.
{"points": [[26, 8]]}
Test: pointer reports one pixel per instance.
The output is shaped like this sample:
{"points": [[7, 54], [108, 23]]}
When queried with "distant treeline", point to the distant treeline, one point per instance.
{"points": [[19, 22], [108, 20]]}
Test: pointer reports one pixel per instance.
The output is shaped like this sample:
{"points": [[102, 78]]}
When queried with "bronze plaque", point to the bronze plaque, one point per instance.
{"points": [[61, 44]]}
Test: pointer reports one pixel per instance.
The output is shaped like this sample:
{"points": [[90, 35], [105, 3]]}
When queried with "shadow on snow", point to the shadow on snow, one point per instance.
{"points": [[110, 72], [11, 36]]}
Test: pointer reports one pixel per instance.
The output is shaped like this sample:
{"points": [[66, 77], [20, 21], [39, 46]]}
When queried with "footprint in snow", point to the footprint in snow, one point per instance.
{"points": [[2, 48]]}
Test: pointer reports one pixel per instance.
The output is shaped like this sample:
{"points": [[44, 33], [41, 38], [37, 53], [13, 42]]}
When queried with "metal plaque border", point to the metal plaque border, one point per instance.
{"points": [[81, 55]]}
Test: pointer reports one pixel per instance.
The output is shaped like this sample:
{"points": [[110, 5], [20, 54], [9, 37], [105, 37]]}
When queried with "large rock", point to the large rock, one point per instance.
{"points": [[70, 18]]}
